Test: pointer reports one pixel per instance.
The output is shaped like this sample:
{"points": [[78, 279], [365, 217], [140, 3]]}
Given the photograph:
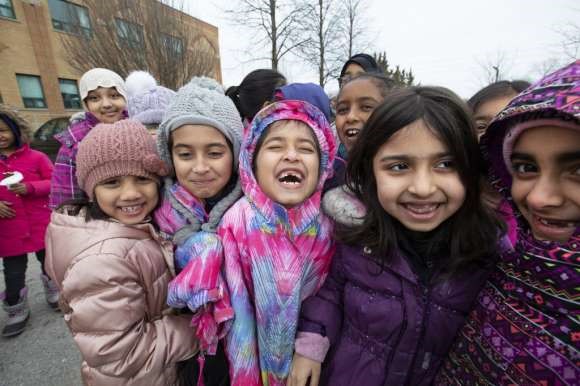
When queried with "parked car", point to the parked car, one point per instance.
{"points": [[43, 139]]}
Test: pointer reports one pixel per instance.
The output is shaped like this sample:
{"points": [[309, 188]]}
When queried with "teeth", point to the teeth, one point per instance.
{"points": [[290, 178], [352, 132], [560, 224], [130, 209], [422, 208]]}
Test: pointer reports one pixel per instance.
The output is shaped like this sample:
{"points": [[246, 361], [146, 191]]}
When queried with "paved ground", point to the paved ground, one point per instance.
{"points": [[44, 354]]}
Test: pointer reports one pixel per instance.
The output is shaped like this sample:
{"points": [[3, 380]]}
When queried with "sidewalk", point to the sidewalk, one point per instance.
{"points": [[45, 353]]}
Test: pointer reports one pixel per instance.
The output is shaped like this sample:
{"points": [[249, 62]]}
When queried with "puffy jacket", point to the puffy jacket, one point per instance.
{"points": [[113, 280], [25, 232]]}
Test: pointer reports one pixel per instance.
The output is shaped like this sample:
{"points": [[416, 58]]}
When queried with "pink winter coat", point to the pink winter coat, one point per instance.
{"points": [[25, 232]]}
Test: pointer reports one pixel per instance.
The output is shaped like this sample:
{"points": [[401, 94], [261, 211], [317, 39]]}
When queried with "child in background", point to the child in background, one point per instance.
{"points": [[24, 216], [277, 243], [307, 92], [200, 138], [104, 100], [255, 91], [490, 100], [147, 101], [524, 327], [404, 278], [112, 267], [357, 65]]}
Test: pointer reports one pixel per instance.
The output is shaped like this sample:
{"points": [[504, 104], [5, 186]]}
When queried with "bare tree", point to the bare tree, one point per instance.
{"points": [[321, 23], [354, 27], [570, 34], [153, 36], [495, 68], [276, 22]]}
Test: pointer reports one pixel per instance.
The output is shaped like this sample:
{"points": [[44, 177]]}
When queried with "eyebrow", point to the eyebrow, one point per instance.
{"points": [[213, 144], [405, 157], [572, 156], [283, 139]]}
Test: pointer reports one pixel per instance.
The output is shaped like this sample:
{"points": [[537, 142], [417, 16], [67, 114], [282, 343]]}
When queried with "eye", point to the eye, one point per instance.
{"points": [[215, 154], [274, 147], [524, 168], [93, 98], [342, 110], [183, 154], [144, 180], [306, 149], [398, 167], [367, 108], [445, 164], [111, 183]]}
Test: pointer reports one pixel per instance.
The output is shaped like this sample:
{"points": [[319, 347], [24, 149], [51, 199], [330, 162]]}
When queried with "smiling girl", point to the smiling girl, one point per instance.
{"points": [[113, 268], [104, 100]]}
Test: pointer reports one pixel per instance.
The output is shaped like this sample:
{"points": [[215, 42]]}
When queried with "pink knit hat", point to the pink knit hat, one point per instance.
{"points": [[123, 148]]}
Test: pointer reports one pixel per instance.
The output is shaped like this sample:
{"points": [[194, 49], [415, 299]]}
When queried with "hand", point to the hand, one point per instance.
{"points": [[5, 210], [18, 188], [302, 369]]}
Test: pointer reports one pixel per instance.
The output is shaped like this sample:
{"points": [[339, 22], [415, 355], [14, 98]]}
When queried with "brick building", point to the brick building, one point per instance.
{"points": [[34, 74]]}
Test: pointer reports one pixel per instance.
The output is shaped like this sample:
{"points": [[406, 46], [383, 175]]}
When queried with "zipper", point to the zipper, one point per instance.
{"points": [[401, 333], [426, 296]]}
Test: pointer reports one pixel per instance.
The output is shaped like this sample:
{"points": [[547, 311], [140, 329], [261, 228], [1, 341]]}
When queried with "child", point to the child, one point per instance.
{"points": [[24, 216], [490, 100], [104, 100], [308, 92], [147, 101], [356, 65], [524, 327], [200, 138], [256, 90], [277, 243], [112, 267], [403, 279]]}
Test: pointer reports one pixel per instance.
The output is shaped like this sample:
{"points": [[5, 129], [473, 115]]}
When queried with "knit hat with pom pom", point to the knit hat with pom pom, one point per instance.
{"points": [[123, 148], [147, 100], [201, 102]]}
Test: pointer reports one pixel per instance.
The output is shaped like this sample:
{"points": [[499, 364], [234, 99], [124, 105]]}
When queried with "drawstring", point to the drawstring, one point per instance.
{"points": [[201, 361]]}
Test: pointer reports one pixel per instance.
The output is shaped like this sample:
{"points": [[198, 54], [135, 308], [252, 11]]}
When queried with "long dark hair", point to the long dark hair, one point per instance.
{"points": [[257, 88], [473, 229]]}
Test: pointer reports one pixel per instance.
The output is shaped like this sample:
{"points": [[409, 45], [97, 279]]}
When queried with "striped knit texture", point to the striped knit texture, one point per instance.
{"points": [[274, 257]]}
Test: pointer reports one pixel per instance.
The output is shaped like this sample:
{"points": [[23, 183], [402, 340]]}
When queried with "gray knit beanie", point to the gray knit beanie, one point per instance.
{"points": [[201, 102]]}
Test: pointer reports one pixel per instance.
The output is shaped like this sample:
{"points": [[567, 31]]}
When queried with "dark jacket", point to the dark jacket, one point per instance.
{"points": [[386, 327]]}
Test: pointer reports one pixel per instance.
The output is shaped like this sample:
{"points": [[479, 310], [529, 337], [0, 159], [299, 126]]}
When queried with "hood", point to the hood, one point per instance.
{"points": [[308, 92], [287, 110], [556, 96]]}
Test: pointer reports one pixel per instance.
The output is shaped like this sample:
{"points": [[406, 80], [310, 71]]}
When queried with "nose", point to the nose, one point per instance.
{"points": [[291, 154], [546, 192], [129, 191], [352, 115], [200, 166], [106, 102], [422, 184]]}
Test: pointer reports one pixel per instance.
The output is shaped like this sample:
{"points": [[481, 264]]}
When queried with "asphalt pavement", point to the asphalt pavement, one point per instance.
{"points": [[45, 353]]}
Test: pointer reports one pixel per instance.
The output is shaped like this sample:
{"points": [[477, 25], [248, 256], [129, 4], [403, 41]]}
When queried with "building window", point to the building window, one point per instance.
{"points": [[70, 93], [173, 45], [130, 34], [31, 91], [6, 9], [69, 17]]}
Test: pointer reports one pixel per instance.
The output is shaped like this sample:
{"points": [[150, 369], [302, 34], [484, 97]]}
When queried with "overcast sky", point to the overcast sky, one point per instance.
{"points": [[444, 42]]}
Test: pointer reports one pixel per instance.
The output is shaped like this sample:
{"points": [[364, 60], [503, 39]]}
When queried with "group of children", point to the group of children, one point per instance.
{"points": [[243, 244]]}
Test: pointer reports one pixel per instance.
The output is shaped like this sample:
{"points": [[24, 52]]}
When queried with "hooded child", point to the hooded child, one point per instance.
{"points": [[104, 100], [524, 327], [277, 242]]}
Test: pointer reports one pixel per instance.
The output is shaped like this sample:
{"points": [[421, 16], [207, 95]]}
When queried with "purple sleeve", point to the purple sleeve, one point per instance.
{"points": [[322, 313]]}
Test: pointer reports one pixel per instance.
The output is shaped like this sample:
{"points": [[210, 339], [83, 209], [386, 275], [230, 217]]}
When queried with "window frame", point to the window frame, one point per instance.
{"points": [[168, 41], [133, 29], [31, 102], [73, 23], [62, 81], [10, 8]]}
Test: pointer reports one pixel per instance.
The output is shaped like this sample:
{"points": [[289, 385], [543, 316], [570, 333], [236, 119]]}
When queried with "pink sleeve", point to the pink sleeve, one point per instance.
{"points": [[41, 187], [312, 346]]}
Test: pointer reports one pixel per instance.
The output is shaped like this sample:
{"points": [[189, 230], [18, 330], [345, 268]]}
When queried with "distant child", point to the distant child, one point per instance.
{"points": [[112, 267], [200, 138], [493, 98], [307, 92], [404, 278], [24, 216], [255, 91], [104, 100], [277, 243], [356, 65], [147, 101], [524, 329]]}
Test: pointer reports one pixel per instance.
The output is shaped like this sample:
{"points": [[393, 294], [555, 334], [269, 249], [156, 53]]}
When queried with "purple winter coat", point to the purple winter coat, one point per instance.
{"points": [[386, 327]]}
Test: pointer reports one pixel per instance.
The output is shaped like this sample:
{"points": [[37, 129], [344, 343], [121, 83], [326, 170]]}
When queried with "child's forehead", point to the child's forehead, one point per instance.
{"points": [[101, 89], [288, 127], [548, 141], [358, 87]]}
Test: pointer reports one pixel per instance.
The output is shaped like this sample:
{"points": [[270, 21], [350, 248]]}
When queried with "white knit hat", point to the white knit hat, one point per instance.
{"points": [[101, 77], [201, 102]]}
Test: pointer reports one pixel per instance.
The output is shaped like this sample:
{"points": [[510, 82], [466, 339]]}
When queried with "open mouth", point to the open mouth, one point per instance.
{"points": [[421, 208], [132, 210], [558, 224], [290, 177], [352, 133]]}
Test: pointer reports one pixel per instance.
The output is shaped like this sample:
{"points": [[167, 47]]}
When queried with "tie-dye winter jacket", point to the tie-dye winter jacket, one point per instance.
{"points": [[274, 257], [525, 327]]}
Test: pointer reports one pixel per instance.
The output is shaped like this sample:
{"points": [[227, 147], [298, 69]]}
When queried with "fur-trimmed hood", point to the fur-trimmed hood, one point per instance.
{"points": [[14, 115]]}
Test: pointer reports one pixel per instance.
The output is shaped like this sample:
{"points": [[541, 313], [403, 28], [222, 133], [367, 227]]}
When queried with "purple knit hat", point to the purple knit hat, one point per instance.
{"points": [[123, 148], [147, 100]]}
